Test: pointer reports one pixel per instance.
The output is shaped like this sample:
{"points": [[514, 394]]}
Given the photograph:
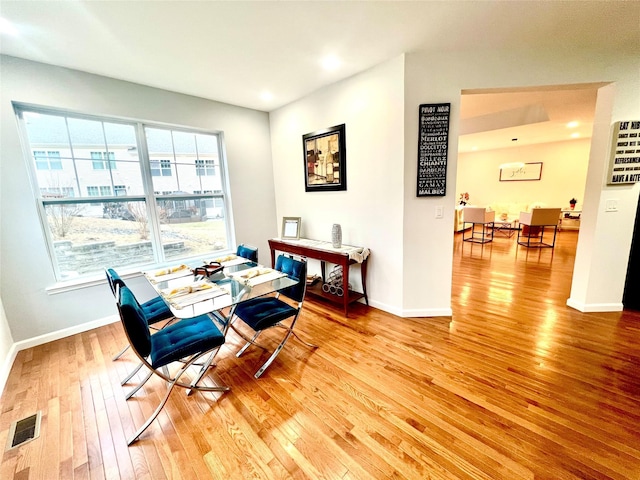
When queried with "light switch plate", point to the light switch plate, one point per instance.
{"points": [[611, 205], [439, 211]]}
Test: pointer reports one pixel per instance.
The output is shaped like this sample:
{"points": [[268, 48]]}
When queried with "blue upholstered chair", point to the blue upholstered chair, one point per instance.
{"points": [[155, 310], [266, 312], [248, 252], [185, 341]]}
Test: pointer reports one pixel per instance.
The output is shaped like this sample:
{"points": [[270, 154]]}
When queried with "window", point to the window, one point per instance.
{"points": [[47, 160], [161, 168], [205, 167], [99, 191], [57, 192], [100, 160], [124, 194]]}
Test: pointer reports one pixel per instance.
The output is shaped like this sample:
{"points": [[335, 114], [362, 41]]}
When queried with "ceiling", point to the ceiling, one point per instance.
{"points": [[514, 118], [233, 52]]}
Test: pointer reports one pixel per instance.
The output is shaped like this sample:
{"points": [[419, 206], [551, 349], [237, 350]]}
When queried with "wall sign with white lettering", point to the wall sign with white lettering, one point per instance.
{"points": [[624, 166], [433, 146]]}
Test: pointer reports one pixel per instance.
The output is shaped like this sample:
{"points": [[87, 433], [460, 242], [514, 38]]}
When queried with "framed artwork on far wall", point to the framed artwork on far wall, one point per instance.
{"points": [[521, 173], [291, 228], [325, 160]]}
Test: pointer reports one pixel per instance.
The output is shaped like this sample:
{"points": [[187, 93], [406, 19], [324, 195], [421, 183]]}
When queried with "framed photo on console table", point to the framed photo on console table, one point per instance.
{"points": [[325, 160], [291, 228]]}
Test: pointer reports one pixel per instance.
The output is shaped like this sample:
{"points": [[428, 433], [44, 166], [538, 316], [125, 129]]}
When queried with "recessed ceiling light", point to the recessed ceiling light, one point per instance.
{"points": [[6, 27], [266, 96], [573, 124], [330, 62], [575, 135]]}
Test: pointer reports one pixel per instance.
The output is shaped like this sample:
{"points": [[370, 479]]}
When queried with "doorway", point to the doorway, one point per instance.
{"points": [[547, 129]]}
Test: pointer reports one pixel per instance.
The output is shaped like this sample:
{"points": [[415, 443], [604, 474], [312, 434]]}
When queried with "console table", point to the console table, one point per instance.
{"points": [[324, 251]]}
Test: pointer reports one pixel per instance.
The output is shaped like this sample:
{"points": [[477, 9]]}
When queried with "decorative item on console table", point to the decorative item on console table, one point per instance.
{"points": [[336, 235], [334, 284], [572, 203], [291, 227]]}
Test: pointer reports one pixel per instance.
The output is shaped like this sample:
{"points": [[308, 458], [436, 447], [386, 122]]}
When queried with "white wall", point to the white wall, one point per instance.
{"points": [[602, 255], [371, 107], [441, 77], [564, 173], [26, 269]]}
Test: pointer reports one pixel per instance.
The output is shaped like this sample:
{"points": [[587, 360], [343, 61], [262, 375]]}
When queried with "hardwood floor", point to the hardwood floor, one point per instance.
{"points": [[515, 386]]}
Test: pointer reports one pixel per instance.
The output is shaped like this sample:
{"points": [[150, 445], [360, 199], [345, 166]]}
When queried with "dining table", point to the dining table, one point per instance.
{"points": [[189, 291], [215, 289]]}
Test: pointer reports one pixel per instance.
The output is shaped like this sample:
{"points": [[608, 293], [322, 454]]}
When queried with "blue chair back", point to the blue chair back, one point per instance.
{"points": [[245, 251], [134, 322], [114, 280], [296, 269]]}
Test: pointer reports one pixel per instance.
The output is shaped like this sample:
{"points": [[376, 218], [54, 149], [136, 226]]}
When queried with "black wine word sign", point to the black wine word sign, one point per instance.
{"points": [[433, 146]]}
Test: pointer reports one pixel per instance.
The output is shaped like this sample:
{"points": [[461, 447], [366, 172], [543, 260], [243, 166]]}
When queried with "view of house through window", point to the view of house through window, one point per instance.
{"points": [[106, 203]]}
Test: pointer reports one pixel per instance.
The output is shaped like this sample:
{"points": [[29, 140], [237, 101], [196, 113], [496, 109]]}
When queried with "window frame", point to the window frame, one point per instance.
{"points": [[149, 197]]}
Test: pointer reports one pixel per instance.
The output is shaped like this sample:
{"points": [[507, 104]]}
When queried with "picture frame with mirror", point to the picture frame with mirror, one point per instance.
{"points": [[291, 228]]}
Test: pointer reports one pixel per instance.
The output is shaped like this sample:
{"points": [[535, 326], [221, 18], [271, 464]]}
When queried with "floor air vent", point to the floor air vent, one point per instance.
{"points": [[24, 431]]}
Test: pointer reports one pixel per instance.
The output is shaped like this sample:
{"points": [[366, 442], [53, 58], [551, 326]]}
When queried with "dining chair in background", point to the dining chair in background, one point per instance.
{"points": [[263, 313], [184, 342], [248, 252]]}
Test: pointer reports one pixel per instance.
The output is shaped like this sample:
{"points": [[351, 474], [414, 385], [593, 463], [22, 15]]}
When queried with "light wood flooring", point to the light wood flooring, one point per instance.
{"points": [[515, 386]]}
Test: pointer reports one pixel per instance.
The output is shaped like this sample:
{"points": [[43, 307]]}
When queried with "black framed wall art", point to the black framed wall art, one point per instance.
{"points": [[325, 160]]}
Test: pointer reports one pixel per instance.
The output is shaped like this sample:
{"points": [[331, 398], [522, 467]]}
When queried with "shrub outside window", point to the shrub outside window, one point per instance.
{"points": [[124, 194]]}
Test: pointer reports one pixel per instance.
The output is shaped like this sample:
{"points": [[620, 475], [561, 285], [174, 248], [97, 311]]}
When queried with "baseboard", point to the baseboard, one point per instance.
{"points": [[6, 366], [399, 312], [434, 312], [46, 338], [384, 307], [594, 307]]}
